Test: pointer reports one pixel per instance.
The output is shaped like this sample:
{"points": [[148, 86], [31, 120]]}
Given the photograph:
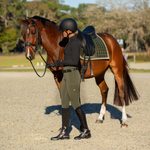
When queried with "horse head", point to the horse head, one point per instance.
{"points": [[38, 30], [30, 35]]}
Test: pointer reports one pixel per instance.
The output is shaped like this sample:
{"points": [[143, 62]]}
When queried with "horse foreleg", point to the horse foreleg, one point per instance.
{"points": [[58, 79], [102, 113], [57, 83], [104, 90]]}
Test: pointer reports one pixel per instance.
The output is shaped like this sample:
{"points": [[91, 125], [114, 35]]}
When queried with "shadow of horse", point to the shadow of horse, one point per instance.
{"points": [[89, 108]]}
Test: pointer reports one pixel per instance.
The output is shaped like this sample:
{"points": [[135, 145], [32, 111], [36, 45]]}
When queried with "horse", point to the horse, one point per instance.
{"points": [[38, 30]]}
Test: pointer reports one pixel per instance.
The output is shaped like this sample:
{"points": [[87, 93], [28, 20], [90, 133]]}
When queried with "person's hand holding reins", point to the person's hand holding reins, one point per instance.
{"points": [[57, 63]]}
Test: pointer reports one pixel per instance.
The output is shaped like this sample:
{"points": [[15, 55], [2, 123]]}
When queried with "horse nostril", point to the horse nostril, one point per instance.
{"points": [[30, 57]]}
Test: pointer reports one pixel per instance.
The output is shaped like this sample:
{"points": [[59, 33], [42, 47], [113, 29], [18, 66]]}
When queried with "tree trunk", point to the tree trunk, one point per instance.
{"points": [[5, 23], [148, 51], [147, 47]]}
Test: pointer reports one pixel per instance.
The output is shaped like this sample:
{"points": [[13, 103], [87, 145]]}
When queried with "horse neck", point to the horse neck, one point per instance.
{"points": [[50, 39]]}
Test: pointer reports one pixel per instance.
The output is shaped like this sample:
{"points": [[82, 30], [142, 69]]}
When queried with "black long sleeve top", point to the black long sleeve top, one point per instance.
{"points": [[72, 52]]}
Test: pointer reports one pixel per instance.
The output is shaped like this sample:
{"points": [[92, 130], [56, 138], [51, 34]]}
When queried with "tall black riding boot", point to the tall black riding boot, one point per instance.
{"points": [[85, 132], [65, 124]]}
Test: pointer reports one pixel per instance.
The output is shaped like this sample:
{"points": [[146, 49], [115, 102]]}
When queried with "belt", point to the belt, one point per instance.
{"points": [[69, 70]]}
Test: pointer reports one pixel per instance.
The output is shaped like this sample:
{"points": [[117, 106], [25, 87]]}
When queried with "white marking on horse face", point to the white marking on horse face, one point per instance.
{"points": [[27, 31], [28, 54], [102, 111]]}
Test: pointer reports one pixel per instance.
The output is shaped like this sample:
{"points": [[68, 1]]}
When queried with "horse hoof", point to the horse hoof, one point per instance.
{"points": [[99, 121], [124, 125]]}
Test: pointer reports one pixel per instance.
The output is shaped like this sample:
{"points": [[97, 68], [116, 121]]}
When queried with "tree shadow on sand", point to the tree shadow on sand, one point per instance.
{"points": [[89, 108]]}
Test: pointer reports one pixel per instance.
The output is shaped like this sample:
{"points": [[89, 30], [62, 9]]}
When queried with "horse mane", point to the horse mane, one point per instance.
{"points": [[43, 20]]}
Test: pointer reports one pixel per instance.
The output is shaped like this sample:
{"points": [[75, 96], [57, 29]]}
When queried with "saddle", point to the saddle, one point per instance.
{"points": [[85, 37]]}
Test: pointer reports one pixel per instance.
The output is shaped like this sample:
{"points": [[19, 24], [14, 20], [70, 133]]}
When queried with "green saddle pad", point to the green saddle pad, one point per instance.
{"points": [[101, 51]]}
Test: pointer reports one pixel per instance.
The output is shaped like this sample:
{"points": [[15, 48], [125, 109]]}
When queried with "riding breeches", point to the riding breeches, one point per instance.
{"points": [[70, 88]]}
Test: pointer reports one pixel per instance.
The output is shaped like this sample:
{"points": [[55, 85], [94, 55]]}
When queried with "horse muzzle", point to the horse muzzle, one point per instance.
{"points": [[29, 55]]}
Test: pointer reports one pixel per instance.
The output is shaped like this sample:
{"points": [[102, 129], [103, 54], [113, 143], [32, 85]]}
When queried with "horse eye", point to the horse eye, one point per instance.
{"points": [[33, 33]]}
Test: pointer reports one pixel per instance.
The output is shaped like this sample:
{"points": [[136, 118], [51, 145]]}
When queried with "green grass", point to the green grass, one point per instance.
{"points": [[139, 70], [21, 70], [139, 57], [18, 60]]}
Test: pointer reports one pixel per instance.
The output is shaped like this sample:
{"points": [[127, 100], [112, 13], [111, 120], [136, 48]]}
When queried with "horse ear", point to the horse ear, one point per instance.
{"points": [[30, 21], [21, 21]]}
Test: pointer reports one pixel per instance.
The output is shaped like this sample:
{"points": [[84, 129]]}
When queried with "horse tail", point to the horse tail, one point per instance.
{"points": [[130, 92]]}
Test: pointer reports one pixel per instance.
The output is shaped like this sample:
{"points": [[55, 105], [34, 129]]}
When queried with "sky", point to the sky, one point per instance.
{"points": [[75, 3]]}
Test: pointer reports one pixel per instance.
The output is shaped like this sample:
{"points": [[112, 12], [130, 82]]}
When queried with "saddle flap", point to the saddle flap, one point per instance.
{"points": [[81, 38], [86, 43], [90, 47]]}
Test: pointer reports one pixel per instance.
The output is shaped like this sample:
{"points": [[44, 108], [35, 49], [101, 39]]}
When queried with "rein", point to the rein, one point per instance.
{"points": [[36, 49], [36, 71]]}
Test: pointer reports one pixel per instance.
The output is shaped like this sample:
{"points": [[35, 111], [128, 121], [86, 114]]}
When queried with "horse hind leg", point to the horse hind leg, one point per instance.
{"points": [[120, 83], [119, 98], [124, 117], [104, 91]]}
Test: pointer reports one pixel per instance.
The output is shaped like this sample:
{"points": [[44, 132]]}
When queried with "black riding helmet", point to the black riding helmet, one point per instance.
{"points": [[68, 24]]}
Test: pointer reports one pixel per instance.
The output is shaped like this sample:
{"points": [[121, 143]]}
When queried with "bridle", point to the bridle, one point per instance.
{"points": [[37, 38], [36, 49]]}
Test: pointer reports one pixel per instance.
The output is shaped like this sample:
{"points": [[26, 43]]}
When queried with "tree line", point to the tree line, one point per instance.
{"points": [[129, 21]]}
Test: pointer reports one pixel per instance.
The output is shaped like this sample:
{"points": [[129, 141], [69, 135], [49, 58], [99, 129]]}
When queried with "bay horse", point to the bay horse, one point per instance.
{"points": [[38, 30]]}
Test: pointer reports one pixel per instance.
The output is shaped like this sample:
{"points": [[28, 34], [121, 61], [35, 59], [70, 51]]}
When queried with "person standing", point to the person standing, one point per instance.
{"points": [[70, 86]]}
